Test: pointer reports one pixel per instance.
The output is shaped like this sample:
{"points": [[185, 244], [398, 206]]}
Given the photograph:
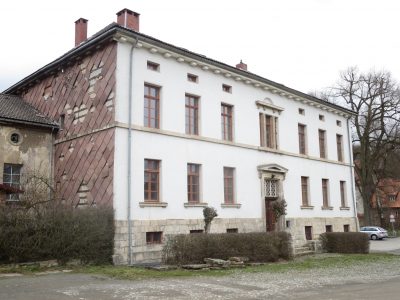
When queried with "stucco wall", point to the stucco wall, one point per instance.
{"points": [[33, 152]]}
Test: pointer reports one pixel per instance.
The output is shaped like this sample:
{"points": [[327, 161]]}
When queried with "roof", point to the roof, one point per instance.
{"points": [[108, 33], [14, 109]]}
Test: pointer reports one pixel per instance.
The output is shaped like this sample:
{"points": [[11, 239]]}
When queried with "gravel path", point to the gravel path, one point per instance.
{"points": [[285, 285]]}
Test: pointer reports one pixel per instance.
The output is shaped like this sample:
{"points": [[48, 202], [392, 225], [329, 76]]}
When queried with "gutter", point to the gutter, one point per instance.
{"points": [[129, 217], [353, 190]]}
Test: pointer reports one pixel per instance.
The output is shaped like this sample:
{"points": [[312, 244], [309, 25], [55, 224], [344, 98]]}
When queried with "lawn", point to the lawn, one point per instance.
{"points": [[325, 261]]}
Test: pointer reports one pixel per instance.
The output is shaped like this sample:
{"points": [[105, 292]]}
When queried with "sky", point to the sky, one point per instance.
{"points": [[303, 44]]}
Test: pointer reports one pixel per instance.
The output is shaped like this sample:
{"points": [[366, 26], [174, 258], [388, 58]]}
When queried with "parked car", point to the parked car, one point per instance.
{"points": [[374, 232]]}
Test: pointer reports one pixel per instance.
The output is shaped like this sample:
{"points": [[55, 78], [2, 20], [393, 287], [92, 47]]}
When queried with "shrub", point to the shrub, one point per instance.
{"points": [[257, 246], [56, 233], [345, 242]]}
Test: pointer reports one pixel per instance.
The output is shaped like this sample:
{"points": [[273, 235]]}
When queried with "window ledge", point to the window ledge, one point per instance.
{"points": [[344, 208], [189, 204], [326, 207], [306, 207], [153, 204], [231, 205]]}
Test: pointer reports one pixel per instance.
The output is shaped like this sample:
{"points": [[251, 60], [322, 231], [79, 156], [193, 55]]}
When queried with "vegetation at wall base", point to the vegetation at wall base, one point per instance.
{"points": [[257, 246], [56, 232], [345, 242]]}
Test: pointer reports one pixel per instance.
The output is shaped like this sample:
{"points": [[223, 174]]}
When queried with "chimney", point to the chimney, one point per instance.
{"points": [[128, 19], [80, 31], [242, 66]]}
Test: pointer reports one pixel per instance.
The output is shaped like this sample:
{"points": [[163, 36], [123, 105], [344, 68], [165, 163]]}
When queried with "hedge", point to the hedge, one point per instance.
{"points": [[56, 233], [257, 246], [345, 242]]}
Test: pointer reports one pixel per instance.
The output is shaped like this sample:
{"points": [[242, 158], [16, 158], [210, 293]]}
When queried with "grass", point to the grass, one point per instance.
{"points": [[137, 273]]}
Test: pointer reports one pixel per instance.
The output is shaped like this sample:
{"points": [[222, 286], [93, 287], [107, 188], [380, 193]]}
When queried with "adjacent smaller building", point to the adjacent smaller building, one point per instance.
{"points": [[26, 139]]}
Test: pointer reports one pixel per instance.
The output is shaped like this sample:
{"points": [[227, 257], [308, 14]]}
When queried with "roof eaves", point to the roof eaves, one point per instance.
{"points": [[53, 125]]}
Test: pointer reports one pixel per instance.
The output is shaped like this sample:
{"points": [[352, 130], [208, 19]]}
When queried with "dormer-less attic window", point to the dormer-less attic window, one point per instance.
{"points": [[192, 78], [153, 66], [227, 88]]}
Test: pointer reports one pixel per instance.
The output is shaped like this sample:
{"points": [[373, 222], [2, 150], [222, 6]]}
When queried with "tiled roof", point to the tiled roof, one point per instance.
{"points": [[14, 109], [114, 28]]}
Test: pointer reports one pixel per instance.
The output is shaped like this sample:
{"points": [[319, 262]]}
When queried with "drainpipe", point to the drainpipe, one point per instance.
{"points": [[353, 190], [129, 150]]}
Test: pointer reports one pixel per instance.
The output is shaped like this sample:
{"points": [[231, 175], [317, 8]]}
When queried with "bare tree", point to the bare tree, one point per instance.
{"points": [[375, 97]]}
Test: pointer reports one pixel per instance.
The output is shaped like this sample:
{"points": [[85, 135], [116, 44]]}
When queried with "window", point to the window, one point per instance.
{"points": [[392, 198], [153, 66], [339, 145], [192, 114], [193, 183], [304, 191], [15, 138], [12, 178], [226, 122], [346, 228], [151, 180], [232, 230], [196, 231], [192, 78], [271, 188], [321, 137], [321, 117], [302, 139], [62, 121], [328, 228], [268, 131], [151, 106], [227, 88], [229, 182], [301, 111], [338, 123], [325, 198], [343, 194], [154, 237]]}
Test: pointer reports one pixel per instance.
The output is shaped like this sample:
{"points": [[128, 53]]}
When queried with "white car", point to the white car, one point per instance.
{"points": [[374, 232]]}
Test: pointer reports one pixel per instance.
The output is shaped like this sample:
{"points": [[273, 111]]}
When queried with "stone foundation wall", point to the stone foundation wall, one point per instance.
{"points": [[148, 253], [296, 227]]}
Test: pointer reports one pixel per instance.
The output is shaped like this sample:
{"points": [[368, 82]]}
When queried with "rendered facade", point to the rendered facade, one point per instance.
{"points": [[160, 132]]}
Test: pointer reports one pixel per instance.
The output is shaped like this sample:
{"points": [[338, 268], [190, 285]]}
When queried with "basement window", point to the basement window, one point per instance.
{"points": [[153, 66], [232, 230], [194, 231], [154, 237]]}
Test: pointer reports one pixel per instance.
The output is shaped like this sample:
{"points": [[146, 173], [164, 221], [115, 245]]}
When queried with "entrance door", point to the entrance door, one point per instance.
{"points": [[269, 215], [308, 232]]}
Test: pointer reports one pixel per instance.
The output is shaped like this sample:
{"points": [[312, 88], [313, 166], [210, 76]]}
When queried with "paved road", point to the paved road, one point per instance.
{"points": [[376, 280], [390, 245]]}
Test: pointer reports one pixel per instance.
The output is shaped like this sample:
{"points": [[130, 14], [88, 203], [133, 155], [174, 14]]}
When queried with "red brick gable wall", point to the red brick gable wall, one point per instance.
{"points": [[82, 94]]}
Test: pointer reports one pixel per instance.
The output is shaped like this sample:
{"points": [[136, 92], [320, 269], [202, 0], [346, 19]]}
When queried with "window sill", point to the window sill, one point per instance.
{"points": [[306, 207], [189, 204], [153, 204], [344, 208], [326, 207], [231, 205]]}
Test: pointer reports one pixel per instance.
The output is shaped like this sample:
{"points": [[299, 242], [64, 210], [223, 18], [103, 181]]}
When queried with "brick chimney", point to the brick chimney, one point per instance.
{"points": [[241, 66], [80, 31], [128, 19]]}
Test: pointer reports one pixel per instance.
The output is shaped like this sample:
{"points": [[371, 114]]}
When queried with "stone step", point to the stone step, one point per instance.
{"points": [[302, 253], [303, 248]]}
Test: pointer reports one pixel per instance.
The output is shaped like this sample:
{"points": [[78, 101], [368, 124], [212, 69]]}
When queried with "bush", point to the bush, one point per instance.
{"points": [[257, 246], [56, 233], [345, 242]]}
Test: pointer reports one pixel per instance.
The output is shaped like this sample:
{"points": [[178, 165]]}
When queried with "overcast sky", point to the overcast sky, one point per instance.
{"points": [[303, 44]]}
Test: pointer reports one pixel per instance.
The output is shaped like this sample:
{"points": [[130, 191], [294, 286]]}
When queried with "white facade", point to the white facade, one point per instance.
{"points": [[175, 149]]}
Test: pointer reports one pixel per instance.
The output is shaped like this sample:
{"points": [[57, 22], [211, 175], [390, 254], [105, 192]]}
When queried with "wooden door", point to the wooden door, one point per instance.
{"points": [[269, 215], [308, 232]]}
